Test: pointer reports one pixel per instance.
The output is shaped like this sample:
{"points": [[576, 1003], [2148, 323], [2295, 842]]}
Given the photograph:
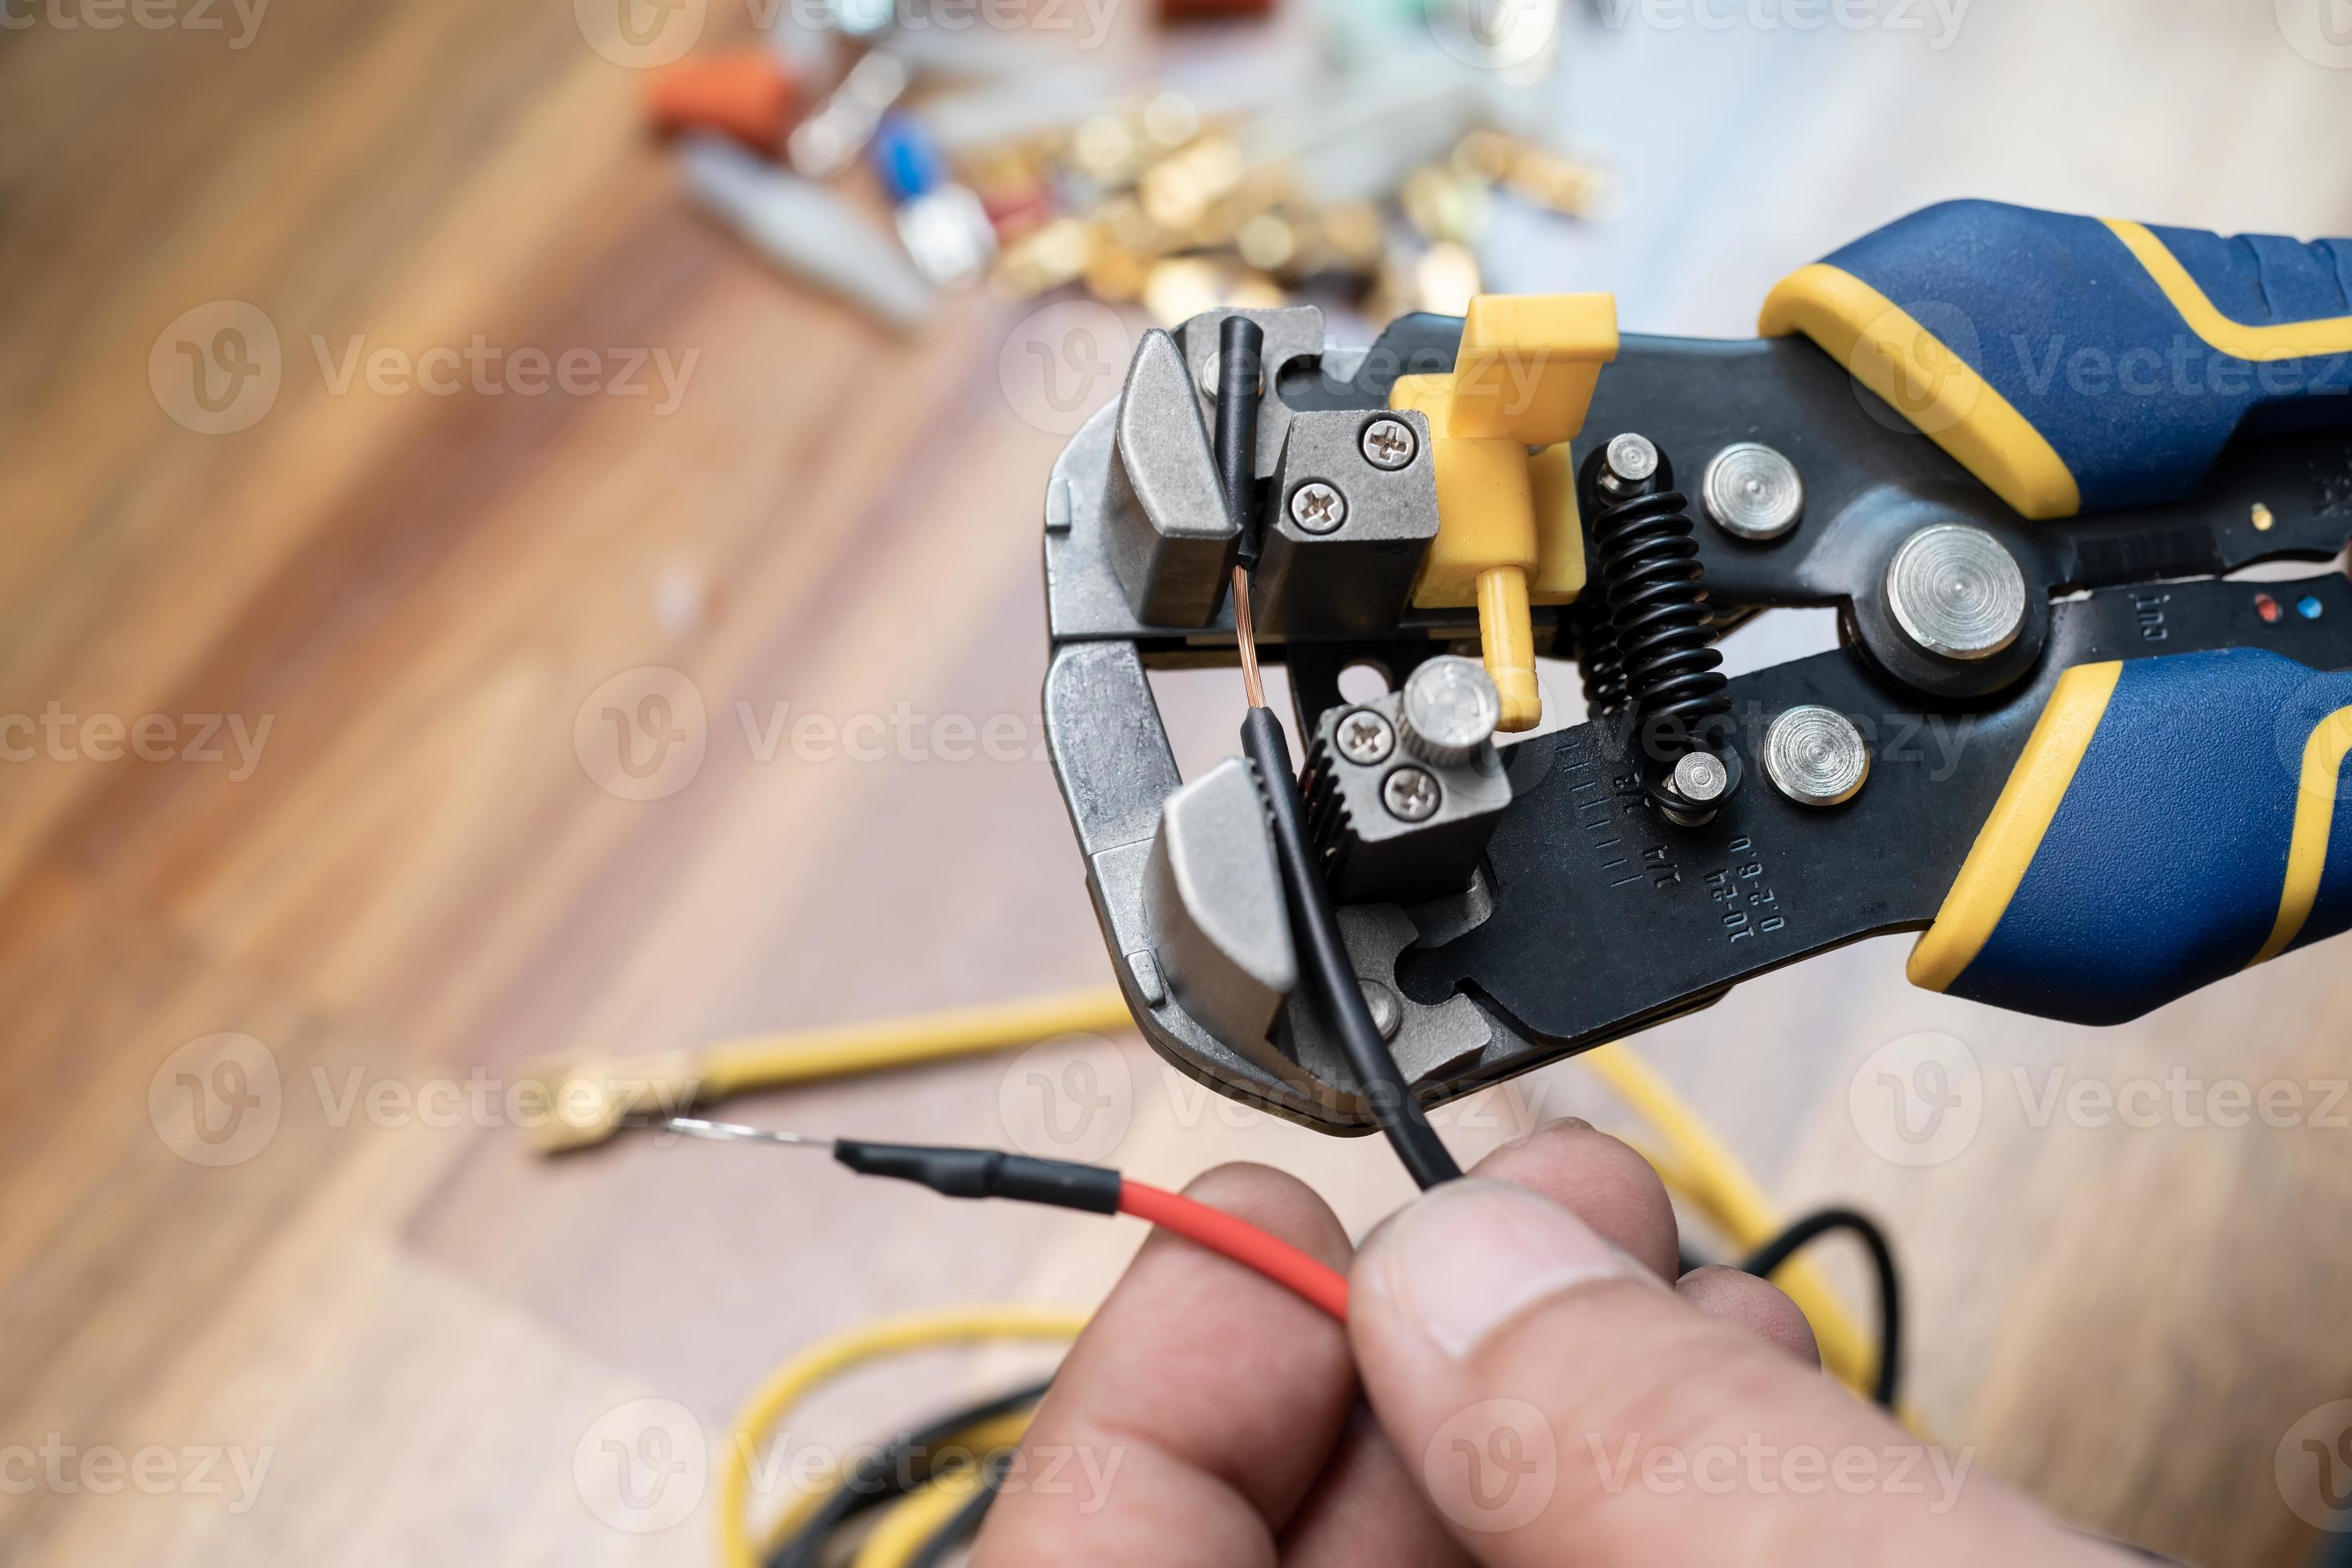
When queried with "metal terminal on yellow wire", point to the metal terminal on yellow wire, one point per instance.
{"points": [[585, 1102]]}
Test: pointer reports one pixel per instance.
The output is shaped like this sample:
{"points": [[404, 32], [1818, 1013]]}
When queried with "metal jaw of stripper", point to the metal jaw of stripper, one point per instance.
{"points": [[1512, 901]]}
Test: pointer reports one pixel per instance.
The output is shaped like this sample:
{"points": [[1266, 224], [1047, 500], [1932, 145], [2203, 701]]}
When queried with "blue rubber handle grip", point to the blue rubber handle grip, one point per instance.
{"points": [[2078, 363], [2172, 821]]}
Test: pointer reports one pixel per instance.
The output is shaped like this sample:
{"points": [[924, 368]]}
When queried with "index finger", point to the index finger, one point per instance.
{"points": [[1200, 1405]]}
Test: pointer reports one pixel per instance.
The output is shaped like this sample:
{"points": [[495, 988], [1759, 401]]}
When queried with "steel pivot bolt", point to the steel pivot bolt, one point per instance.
{"points": [[1318, 508], [1411, 794], [1956, 592], [1752, 491], [1364, 738], [1627, 463], [1388, 444], [1815, 756]]}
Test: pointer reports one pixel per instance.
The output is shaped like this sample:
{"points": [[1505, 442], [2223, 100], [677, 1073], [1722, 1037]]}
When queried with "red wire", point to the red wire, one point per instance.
{"points": [[1239, 1240]]}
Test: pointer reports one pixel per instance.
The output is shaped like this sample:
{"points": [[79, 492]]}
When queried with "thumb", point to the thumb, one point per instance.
{"points": [[1560, 1404]]}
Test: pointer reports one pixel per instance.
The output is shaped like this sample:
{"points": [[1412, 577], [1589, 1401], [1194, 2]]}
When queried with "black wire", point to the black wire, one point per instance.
{"points": [[1769, 1257], [967, 1521], [1331, 980], [1240, 346], [880, 1477]]}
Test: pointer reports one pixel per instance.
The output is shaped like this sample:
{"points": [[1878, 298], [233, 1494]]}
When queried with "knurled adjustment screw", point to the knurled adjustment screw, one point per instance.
{"points": [[1450, 709], [1388, 444], [1364, 738], [1411, 794], [1318, 508]]}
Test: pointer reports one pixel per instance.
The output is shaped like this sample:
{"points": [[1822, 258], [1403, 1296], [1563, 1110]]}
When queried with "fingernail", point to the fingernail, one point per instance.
{"points": [[1471, 1255]]}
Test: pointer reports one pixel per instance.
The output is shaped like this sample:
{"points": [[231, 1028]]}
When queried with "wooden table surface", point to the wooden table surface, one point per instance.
{"points": [[409, 880]]}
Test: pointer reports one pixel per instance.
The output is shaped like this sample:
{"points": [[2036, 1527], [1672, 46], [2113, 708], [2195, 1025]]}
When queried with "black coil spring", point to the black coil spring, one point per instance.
{"points": [[1658, 645]]}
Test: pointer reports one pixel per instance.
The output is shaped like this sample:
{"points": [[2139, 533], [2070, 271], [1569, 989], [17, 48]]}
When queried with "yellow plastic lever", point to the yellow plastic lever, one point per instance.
{"points": [[1507, 532]]}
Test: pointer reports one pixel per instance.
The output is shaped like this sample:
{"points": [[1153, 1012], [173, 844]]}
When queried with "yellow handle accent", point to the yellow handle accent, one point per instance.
{"points": [[2277, 341], [1881, 346], [2315, 820], [2005, 844]]}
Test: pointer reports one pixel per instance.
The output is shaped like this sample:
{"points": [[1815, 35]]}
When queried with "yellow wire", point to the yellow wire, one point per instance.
{"points": [[587, 1100], [926, 1509], [828, 1359], [765, 1061], [1703, 1170], [1698, 1166]]}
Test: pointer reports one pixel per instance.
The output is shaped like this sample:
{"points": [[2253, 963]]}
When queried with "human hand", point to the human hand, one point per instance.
{"points": [[1541, 1391]]}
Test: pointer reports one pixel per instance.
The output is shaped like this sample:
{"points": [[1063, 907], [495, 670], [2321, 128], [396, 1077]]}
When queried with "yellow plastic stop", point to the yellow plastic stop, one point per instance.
{"points": [[1508, 530]]}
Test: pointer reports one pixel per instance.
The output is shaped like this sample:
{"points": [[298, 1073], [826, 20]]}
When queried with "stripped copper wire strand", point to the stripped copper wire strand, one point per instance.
{"points": [[1245, 639]]}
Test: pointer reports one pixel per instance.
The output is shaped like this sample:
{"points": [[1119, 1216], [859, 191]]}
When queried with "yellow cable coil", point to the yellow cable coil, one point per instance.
{"points": [[828, 1359]]}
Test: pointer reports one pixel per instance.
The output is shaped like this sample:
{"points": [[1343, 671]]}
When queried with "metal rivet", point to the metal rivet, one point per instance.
{"points": [[1956, 590], [1449, 709], [1700, 777], [1815, 756], [1318, 508], [1364, 738], [1388, 444], [1630, 458], [1411, 794], [1752, 491], [1386, 1007]]}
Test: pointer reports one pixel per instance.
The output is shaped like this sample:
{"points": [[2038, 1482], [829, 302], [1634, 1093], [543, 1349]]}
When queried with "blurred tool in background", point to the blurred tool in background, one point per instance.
{"points": [[1352, 154]]}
